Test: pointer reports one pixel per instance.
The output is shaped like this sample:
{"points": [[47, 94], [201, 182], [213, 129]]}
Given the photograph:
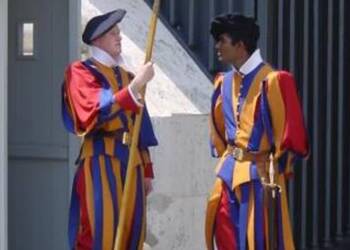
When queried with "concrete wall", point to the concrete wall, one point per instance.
{"points": [[184, 174], [3, 125]]}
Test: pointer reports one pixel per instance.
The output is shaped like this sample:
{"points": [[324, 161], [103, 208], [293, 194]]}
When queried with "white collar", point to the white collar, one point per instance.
{"points": [[104, 58], [253, 61]]}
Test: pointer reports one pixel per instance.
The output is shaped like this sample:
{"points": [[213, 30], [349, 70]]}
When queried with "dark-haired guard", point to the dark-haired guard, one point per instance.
{"points": [[255, 114], [99, 103]]}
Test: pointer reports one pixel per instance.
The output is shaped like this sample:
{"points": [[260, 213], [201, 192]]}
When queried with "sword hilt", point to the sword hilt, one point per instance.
{"points": [[271, 184]]}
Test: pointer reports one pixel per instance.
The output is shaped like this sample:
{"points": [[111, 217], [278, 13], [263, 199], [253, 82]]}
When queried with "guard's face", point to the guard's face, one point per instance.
{"points": [[227, 52], [111, 42]]}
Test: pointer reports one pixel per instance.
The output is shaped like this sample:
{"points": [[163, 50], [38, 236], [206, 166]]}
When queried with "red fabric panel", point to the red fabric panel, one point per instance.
{"points": [[84, 238], [224, 231], [125, 100], [295, 136]]}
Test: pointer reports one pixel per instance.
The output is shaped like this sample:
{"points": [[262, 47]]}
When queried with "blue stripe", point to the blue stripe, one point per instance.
{"points": [[106, 102], [123, 167], [147, 136], [254, 175], [119, 78], [259, 207], [98, 145], [138, 213], [98, 203], [243, 215], [257, 132], [121, 151], [265, 111], [66, 117], [74, 213], [227, 169], [113, 188], [282, 162], [227, 106], [259, 216]]}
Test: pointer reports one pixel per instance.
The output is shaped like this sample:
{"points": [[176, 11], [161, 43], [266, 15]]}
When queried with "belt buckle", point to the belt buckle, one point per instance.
{"points": [[126, 138], [238, 154]]}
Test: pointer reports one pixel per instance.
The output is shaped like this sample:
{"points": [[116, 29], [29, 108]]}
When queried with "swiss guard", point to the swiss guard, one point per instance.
{"points": [[257, 132], [99, 102]]}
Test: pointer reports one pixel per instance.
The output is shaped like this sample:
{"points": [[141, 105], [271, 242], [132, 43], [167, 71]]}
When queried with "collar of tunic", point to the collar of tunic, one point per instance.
{"points": [[253, 61], [104, 58]]}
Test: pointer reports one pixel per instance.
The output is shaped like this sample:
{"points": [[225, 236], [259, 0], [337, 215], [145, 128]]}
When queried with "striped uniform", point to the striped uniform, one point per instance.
{"points": [[253, 112], [97, 106]]}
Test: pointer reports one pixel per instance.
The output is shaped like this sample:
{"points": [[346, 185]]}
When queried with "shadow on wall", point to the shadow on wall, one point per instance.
{"points": [[183, 88]]}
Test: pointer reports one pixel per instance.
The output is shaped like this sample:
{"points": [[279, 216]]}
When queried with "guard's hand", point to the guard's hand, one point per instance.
{"points": [[148, 186], [143, 76]]}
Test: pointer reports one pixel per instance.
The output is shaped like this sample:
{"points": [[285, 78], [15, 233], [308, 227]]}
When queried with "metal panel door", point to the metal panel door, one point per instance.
{"points": [[38, 168]]}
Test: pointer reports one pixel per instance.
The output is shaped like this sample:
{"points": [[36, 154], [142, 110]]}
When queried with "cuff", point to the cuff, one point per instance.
{"points": [[149, 170], [125, 99], [135, 98]]}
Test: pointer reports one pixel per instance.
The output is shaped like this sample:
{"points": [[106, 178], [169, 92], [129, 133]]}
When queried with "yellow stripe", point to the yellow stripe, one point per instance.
{"points": [[89, 194], [264, 144], [145, 157], [108, 218], [87, 148], [220, 126], [113, 124], [125, 229], [109, 145], [118, 177], [218, 81], [241, 173], [131, 204], [287, 231], [247, 115], [108, 72], [251, 219], [277, 109], [125, 77], [212, 206]]}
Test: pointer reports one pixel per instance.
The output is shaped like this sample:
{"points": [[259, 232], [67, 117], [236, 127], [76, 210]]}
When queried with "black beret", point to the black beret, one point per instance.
{"points": [[234, 23], [99, 25]]}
